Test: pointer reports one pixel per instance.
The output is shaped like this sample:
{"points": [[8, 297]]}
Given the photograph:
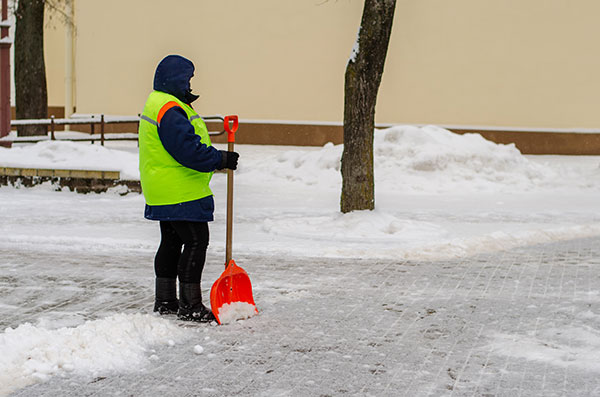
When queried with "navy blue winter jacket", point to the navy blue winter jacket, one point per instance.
{"points": [[177, 135]]}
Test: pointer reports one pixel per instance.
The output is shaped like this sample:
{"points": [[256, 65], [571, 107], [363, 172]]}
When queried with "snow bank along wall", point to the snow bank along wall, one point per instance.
{"points": [[466, 62]]}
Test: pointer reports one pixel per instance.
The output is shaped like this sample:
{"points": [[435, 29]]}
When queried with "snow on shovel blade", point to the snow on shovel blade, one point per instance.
{"points": [[231, 295]]}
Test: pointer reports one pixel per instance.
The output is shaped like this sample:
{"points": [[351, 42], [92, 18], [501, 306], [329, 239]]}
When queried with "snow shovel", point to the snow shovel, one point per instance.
{"points": [[231, 295]]}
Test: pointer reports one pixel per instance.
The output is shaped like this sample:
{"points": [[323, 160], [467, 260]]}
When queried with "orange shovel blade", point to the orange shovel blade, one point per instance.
{"points": [[233, 286]]}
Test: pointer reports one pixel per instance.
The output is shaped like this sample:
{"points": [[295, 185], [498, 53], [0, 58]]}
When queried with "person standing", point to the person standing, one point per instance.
{"points": [[177, 161]]}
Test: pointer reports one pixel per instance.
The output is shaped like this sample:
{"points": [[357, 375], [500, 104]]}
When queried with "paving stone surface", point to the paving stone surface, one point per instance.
{"points": [[523, 322]]}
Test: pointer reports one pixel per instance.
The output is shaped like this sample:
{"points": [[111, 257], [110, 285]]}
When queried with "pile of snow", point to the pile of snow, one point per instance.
{"points": [[434, 159], [117, 343], [234, 311], [71, 155], [413, 159]]}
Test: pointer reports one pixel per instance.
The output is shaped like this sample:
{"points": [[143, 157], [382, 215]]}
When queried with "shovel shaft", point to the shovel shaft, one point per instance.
{"points": [[229, 239]]}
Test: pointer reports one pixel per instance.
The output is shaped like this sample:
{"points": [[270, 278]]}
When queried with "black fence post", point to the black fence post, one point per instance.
{"points": [[52, 128], [102, 129]]}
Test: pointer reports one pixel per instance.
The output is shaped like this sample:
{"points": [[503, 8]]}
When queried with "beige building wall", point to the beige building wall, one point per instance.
{"points": [[518, 63]]}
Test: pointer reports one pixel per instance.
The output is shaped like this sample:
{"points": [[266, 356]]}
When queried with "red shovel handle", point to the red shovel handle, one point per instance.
{"points": [[231, 129]]}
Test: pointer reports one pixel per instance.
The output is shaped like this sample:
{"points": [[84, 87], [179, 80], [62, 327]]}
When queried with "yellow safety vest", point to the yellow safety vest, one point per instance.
{"points": [[164, 180]]}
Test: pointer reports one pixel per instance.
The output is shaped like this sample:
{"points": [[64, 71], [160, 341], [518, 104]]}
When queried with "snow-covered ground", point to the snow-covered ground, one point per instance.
{"points": [[438, 194], [440, 197]]}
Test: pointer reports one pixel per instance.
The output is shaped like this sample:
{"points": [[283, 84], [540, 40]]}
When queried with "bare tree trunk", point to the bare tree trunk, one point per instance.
{"points": [[363, 76], [31, 93]]}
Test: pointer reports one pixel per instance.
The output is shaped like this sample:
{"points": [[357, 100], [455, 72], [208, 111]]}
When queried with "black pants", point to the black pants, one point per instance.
{"points": [[187, 264]]}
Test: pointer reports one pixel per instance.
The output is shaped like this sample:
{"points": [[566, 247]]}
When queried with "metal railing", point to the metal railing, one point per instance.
{"points": [[92, 121]]}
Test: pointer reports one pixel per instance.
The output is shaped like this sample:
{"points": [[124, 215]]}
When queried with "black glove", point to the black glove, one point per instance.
{"points": [[228, 160]]}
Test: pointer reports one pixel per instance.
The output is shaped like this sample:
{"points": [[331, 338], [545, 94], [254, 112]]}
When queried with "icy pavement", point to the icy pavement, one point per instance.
{"points": [[524, 321]]}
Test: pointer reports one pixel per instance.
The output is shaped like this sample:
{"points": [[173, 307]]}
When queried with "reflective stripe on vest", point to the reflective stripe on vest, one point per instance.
{"points": [[148, 119], [164, 180], [160, 116]]}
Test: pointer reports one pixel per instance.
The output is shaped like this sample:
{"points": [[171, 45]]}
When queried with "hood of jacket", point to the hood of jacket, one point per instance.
{"points": [[173, 76]]}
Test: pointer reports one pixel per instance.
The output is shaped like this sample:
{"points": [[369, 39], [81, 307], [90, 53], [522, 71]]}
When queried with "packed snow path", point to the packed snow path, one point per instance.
{"points": [[524, 321]]}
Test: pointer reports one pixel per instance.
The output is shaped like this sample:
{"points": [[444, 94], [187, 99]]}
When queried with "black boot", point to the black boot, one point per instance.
{"points": [[191, 307], [166, 296]]}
